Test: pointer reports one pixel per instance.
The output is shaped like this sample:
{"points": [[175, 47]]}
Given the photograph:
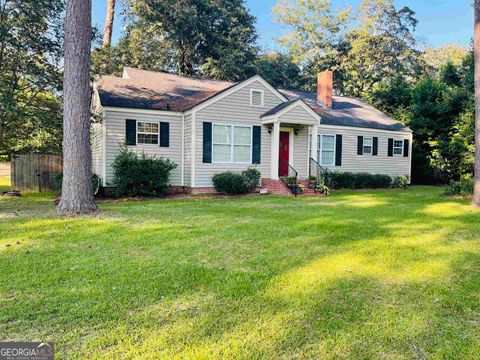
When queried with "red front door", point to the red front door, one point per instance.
{"points": [[284, 151]]}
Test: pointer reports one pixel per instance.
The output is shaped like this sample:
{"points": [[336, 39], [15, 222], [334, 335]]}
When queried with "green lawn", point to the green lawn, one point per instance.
{"points": [[4, 184], [388, 274]]}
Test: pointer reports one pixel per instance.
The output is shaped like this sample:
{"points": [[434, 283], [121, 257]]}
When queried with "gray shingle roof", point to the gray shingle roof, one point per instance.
{"points": [[348, 111], [140, 89]]}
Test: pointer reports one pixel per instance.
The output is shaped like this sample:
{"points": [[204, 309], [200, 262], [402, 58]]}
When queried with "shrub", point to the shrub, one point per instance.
{"points": [[323, 189], [463, 187], [230, 183], [291, 180], [348, 180], [137, 175], [58, 180], [252, 178], [400, 182]]}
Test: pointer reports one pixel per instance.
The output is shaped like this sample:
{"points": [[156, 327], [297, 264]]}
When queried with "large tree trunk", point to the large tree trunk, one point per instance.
{"points": [[476, 47], [77, 195], [107, 34]]}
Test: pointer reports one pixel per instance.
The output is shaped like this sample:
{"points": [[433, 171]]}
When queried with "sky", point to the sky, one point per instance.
{"points": [[441, 22]]}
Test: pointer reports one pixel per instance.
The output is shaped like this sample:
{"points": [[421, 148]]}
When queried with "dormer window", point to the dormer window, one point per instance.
{"points": [[256, 98]]}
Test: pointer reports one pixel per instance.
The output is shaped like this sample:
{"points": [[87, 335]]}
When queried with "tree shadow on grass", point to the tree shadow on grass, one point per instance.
{"points": [[236, 278]]}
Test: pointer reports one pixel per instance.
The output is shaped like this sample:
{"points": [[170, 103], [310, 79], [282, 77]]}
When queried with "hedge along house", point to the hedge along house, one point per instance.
{"points": [[208, 127]]}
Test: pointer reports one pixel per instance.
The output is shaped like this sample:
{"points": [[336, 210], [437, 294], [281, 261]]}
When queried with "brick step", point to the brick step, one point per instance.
{"points": [[277, 187]]}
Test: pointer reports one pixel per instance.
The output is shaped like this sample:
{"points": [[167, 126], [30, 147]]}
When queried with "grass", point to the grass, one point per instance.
{"points": [[359, 275], [4, 183]]}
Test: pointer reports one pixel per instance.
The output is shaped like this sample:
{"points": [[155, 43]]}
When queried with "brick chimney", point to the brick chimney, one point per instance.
{"points": [[325, 88]]}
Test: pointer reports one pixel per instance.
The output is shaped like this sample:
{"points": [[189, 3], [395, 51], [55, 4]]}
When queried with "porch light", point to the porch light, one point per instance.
{"points": [[269, 129], [295, 131]]}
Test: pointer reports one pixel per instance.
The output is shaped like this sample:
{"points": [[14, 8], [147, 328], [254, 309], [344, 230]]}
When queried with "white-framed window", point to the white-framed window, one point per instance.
{"points": [[367, 145], [232, 144], [326, 150], [398, 147], [147, 132], [257, 98]]}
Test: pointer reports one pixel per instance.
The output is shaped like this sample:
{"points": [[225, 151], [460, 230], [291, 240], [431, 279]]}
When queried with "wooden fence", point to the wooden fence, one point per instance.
{"points": [[4, 169], [34, 172]]}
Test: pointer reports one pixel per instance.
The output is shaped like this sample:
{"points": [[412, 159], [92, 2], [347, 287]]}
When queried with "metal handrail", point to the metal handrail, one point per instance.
{"points": [[317, 170], [292, 174]]}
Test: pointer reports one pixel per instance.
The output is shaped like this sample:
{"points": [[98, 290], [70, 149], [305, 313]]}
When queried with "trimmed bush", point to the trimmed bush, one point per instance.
{"points": [[58, 180], [230, 183], [141, 175], [463, 187], [348, 180], [400, 182], [252, 178]]}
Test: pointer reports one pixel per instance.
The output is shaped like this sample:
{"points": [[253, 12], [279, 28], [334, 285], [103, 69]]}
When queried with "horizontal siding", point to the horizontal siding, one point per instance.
{"points": [[188, 150], [233, 109], [97, 148], [300, 152], [297, 115], [115, 137], [381, 164]]}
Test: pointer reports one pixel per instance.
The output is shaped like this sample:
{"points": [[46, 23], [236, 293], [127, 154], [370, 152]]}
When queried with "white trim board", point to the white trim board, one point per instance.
{"points": [[142, 111], [299, 102], [262, 92], [342, 127], [193, 124]]}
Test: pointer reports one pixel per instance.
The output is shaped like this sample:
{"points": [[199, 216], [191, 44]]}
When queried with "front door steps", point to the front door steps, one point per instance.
{"points": [[277, 187]]}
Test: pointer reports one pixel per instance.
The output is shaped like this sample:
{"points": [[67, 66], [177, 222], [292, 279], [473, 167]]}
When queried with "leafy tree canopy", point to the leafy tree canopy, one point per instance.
{"points": [[30, 55], [212, 38]]}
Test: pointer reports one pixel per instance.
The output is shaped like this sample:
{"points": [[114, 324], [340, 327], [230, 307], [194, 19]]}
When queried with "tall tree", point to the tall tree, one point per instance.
{"points": [[382, 46], [316, 35], [280, 71], [77, 194], [109, 18], [476, 192], [212, 38], [30, 57]]}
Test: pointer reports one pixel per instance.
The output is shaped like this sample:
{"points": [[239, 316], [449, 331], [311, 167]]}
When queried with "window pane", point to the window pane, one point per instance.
{"points": [[221, 153], [148, 127], [242, 135], [148, 138], [328, 142], [327, 157], [221, 134], [241, 153], [367, 141], [397, 147]]}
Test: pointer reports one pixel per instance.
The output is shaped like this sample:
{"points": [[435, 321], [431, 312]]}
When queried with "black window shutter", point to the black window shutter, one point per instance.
{"points": [[256, 146], [207, 142], [406, 146], [375, 146], [164, 134], [338, 151], [131, 132], [359, 145], [390, 147]]}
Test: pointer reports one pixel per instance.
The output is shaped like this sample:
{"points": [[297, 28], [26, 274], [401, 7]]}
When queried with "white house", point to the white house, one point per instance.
{"points": [[207, 127]]}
